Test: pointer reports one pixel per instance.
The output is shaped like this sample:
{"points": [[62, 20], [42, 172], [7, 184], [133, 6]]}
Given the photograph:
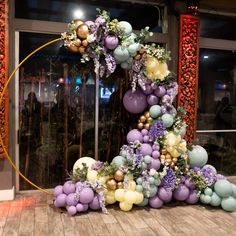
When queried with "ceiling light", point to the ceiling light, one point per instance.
{"points": [[78, 14]]}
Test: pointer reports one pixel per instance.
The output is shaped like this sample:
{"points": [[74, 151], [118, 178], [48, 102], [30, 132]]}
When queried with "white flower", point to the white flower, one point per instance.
{"points": [[152, 172]]}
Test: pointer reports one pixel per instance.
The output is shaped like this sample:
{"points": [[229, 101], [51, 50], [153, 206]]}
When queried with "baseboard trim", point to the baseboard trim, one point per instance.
{"points": [[7, 195]]}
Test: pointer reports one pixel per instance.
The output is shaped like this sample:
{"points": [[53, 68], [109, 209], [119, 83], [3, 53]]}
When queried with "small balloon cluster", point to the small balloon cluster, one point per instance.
{"points": [[78, 197]]}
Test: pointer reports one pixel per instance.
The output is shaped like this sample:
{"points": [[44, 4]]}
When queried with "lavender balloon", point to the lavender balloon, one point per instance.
{"points": [[68, 187], [155, 164], [134, 135], [155, 154], [86, 195], [86, 206], [58, 190], [111, 42], [189, 184], [181, 193], [193, 197], [61, 200], [155, 202], [135, 102], [144, 132], [146, 138], [71, 210], [164, 194], [160, 91], [148, 89], [71, 200], [146, 149], [79, 207], [152, 100], [95, 205]]}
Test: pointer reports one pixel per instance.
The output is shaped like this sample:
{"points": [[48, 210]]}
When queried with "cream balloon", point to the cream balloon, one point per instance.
{"points": [[132, 185], [120, 195], [104, 179], [86, 160], [125, 206], [110, 197], [130, 197], [92, 175], [139, 197]]}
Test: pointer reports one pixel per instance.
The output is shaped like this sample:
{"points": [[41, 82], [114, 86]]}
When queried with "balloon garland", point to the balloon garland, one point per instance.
{"points": [[155, 166]]}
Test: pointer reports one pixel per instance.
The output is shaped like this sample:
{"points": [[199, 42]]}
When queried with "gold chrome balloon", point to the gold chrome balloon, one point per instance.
{"points": [[119, 175], [83, 31], [111, 184], [77, 23]]}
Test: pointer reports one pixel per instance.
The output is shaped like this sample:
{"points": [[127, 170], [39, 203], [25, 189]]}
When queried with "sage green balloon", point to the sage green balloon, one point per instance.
{"points": [[215, 200], [197, 156], [233, 190], [168, 120], [153, 190], [223, 188], [147, 159], [228, 204], [139, 188], [208, 191], [144, 202], [118, 161], [155, 111], [207, 199], [202, 199]]}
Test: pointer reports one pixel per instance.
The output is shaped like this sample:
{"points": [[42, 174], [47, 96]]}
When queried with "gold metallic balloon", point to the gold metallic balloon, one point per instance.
{"points": [[140, 125], [142, 50], [137, 57], [163, 151], [147, 126], [82, 49], [168, 156], [120, 185], [142, 119], [77, 42], [77, 23], [111, 184], [119, 175], [147, 114], [174, 159], [74, 49], [83, 31], [149, 120], [172, 164], [85, 43]]}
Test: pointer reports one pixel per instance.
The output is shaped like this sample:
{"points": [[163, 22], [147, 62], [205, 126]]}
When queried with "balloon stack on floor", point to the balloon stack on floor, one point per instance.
{"points": [[155, 167]]}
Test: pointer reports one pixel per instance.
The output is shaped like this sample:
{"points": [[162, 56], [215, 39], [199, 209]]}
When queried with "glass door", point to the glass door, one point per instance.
{"points": [[56, 111]]}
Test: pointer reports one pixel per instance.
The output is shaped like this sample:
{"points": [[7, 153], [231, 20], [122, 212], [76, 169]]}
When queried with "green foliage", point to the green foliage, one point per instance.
{"points": [[107, 169], [198, 179], [80, 174]]}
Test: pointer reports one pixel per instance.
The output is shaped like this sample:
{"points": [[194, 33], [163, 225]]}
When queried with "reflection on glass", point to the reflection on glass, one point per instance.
{"points": [[56, 112], [221, 149], [217, 90]]}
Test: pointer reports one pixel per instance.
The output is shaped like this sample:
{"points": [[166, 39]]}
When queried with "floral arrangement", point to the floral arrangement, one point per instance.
{"points": [[155, 166]]}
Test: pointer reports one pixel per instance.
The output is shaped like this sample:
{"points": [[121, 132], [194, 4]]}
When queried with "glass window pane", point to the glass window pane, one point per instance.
{"points": [[56, 111], [217, 90], [64, 11], [221, 148], [216, 26]]}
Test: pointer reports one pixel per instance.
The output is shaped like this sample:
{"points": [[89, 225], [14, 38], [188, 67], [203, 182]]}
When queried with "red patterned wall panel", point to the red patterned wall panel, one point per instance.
{"points": [[188, 71], [3, 71]]}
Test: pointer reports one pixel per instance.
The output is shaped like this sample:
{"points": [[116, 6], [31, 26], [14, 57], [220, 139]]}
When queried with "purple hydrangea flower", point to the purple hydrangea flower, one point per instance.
{"points": [[97, 165], [168, 182], [157, 130]]}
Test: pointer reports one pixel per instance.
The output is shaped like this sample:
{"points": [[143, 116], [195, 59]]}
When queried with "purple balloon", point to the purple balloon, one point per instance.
{"points": [[86, 195], [152, 100], [146, 149], [155, 147], [144, 132], [78, 184], [154, 86], [155, 164], [134, 135], [135, 102], [155, 154], [146, 138], [111, 42], [148, 89], [61, 200], [193, 197], [95, 205], [181, 193], [164, 194], [189, 184], [80, 207], [71, 210], [160, 91], [58, 190], [69, 187], [86, 206], [71, 200], [155, 202]]}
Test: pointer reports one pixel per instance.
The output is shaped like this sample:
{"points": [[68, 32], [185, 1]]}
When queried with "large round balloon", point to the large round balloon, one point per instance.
{"points": [[223, 188], [197, 156], [86, 160], [135, 102]]}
